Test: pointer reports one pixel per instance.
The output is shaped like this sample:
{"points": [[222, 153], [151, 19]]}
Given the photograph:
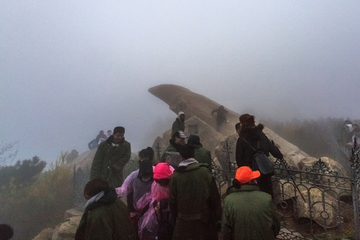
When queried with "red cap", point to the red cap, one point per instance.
{"points": [[245, 174]]}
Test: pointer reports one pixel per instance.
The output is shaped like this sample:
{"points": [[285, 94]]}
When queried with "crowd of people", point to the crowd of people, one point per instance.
{"points": [[179, 199]]}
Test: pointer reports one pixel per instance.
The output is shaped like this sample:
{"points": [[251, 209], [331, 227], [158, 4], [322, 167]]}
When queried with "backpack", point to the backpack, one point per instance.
{"points": [[262, 161]]}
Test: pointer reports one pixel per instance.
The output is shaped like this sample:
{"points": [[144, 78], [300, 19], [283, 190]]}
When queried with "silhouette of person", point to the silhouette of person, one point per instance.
{"points": [[220, 116]]}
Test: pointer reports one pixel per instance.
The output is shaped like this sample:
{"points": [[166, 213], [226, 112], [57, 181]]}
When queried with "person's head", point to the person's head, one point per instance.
{"points": [[146, 154], [244, 175], [347, 121], [193, 140], [145, 170], [237, 127], [109, 132], [162, 173], [247, 121], [6, 232], [179, 137], [118, 134], [186, 151], [221, 107], [101, 132], [181, 116], [95, 186]]}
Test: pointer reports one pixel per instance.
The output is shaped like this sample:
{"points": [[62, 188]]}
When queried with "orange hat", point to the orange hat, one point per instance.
{"points": [[245, 174]]}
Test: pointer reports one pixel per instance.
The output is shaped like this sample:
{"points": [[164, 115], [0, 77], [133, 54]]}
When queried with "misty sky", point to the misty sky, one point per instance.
{"points": [[71, 68]]}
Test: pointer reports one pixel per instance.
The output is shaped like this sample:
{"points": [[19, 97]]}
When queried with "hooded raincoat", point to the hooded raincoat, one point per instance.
{"points": [[110, 160], [249, 214], [177, 125], [194, 202], [106, 218]]}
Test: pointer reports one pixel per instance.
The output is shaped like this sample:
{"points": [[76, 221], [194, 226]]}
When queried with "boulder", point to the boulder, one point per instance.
{"points": [[84, 160], [67, 229], [45, 234], [326, 165], [221, 149], [323, 213]]}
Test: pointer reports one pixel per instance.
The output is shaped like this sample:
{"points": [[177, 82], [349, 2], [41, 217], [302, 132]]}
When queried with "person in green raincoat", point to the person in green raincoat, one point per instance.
{"points": [[194, 199], [111, 157]]}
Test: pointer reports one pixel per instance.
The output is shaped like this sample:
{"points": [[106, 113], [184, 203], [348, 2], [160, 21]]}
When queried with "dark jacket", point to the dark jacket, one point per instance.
{"points": [[172, 147], [177, 126], [220, 115], [255, 136], [109, 161], [106, 219], [249, 214], [202, 155], [194, 202]]}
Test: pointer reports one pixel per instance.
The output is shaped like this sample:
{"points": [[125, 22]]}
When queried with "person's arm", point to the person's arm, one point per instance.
{"points": [[124, 159], [215, 202], [274, 150], [127, 186], [239, 153], [226, 226], [96, 165], [275, 218], [172, 197], [209, 160]]}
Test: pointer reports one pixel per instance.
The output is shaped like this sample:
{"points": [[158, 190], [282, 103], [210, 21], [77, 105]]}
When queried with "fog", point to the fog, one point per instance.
{"points": [[71, 68]]}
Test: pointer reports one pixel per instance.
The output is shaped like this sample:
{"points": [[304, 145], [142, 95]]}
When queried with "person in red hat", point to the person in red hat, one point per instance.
{"points": [[251, 137], [248, 213], [157, 222]]}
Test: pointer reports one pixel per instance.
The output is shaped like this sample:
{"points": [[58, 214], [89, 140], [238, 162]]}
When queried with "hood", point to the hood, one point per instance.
{"points": [[243, 188], [109, 197], [253, 133], [178, 117], [189, 165]]}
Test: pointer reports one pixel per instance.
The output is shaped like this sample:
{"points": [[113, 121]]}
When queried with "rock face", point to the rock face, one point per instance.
{"points": [[195, 105], [181, 99], [64, 231], [67, 229]]}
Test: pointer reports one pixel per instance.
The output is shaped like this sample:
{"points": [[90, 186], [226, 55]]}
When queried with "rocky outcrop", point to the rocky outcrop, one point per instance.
{"points": [[181, 99], [64, 231], [195, 105], [45, 234], [67, 229]]}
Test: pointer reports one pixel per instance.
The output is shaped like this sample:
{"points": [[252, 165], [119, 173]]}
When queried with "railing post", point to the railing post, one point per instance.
{"points": [[158, 148], [355, 187], [228, 163]]}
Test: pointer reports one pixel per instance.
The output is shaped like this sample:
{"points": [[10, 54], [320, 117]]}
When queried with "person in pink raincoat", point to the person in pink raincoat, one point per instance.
{"points": [[157, 222]]}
